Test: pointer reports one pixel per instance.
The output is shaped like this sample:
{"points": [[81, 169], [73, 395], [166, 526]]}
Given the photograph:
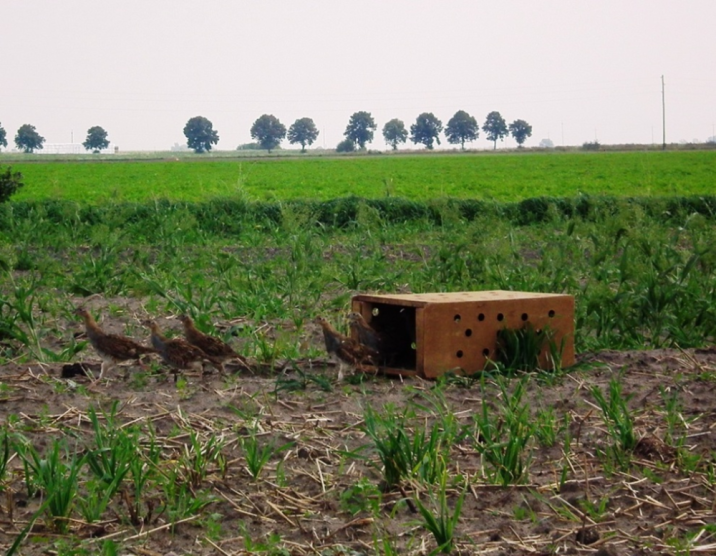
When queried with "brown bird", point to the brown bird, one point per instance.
{"points": [[112, 348], [344, 348], [209, 344], [178, 353], [365, 333]]}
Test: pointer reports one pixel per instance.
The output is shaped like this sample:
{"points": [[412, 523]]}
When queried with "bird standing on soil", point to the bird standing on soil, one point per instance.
{"points": [[346, 349], [178, 353], [365, 333], [209, 344], [112, 348]]}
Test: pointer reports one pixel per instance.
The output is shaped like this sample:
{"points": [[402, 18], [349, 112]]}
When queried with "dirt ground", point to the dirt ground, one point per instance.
{"points": [[306, 501]]}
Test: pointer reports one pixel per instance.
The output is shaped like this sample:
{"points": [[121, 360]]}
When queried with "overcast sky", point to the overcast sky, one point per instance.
{"points": [[576, 70]]}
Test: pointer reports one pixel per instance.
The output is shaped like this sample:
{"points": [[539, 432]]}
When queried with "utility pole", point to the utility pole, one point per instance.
{"points": [[663, 114]]}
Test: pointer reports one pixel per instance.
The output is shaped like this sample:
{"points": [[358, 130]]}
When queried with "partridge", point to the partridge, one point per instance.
{"points": [[209, 344], [344, 348], [365, 333], [112, 348], [178, 353]]}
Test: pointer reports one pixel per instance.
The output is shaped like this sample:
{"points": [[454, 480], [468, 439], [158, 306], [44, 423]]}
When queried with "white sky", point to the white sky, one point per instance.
{"points": [[576, 70]]}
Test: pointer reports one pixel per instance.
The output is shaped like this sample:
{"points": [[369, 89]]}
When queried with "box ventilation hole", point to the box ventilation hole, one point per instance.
{"points": [[551, 314], [500, 317], [481, 317], [486, 352], [456, 318], [525, 316], [459, 353], [468, 332]]}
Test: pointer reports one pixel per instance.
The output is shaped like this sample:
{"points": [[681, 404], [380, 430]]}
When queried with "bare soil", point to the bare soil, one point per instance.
{"points": [[572, 501]]}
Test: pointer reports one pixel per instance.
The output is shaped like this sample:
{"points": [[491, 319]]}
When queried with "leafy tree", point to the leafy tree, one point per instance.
{"points": [[394, 132], [3, 135], [28, 139], [346, 146], [268, 131], [303, 132], [9, 183], [426, 129], [360, 128], [462, 127], [495, 128], [591, 145], [520, 130], [96, 139], [200, 134]]}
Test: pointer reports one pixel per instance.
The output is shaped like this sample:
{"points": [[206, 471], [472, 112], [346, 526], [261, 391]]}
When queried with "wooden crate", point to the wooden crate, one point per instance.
{"points": [[433, 333]]}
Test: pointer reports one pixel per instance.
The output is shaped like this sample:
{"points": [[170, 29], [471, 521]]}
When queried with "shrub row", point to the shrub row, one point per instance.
{"points": [[228, 217]]}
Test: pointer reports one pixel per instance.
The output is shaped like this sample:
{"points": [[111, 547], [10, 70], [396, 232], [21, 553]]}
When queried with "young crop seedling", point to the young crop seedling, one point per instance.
{"points": [[362, 496], [402, 455], [113, 451], [4, 455], [618, 420], [197, 456], [257, 453], [520, 349], [180, 500], [144, 471], [441, 521], [56, 477], [502, 434], [546, 427]]}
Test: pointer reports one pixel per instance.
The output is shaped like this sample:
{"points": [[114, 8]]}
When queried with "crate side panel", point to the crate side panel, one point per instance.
{"points": [[452, 340], [464, 335]]}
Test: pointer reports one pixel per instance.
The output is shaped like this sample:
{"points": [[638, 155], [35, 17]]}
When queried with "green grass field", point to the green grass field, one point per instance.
{"points": [[502, 177]]}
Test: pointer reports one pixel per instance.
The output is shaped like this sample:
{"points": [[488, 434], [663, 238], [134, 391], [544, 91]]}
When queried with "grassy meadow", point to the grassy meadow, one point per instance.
{"points": [[504, 177], [290, 459]]}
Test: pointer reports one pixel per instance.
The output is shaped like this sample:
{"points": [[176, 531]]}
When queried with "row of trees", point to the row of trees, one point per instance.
{"points": [[462, 128], [29, 140], [268, 132]]}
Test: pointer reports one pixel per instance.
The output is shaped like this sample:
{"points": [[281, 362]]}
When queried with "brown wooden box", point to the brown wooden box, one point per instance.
{"points": [[432, 333]]}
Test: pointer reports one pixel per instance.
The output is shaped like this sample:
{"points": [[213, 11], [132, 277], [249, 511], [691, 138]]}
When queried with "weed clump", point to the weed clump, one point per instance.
{"points": [[10, 182]]}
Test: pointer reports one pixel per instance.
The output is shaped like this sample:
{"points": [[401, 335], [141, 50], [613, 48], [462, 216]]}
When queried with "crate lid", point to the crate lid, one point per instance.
{"points": [[422, 299]]}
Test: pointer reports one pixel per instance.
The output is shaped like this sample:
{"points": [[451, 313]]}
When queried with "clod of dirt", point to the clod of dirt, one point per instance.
{"points": [[606, 551], [587, 536], [75, 369], [543, 527], [652, 448], [570, 486]]}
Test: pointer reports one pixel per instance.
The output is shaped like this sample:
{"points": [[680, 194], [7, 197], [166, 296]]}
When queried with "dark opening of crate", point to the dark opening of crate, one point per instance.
{"points": [[396, 325]]}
